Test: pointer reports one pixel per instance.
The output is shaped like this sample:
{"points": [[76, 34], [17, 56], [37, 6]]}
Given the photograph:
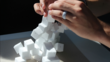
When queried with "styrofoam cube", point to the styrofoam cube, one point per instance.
{"points": [[17, 47], [38, 57], [35, 50], [24, 53], [43, 27], [19, 59], [54, 40], [36, 33], [54, 59], [45, 21], [61, 30], [47, 35], [59, 47], [55, 27], [46, 46], [54, 36], [51, 53], [40, 41], [50, 19], [29, 44]]}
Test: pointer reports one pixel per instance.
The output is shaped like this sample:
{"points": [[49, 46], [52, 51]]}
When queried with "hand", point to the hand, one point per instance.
{"points": [[79, 19], [42, 7]]}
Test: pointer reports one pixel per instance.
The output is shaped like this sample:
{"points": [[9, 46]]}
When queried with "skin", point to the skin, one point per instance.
{"points": [[79, 19]]}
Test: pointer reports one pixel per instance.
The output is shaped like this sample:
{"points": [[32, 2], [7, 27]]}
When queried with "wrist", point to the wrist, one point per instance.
{"points": [[104, 39]]}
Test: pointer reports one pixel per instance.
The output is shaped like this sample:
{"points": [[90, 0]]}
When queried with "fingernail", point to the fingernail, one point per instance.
{"points": [[40, 13]]}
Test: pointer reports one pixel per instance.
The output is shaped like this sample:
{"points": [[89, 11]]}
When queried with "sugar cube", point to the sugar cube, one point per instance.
{"points": [[38, 57], [46, 46], [50, 19], [35, 50], [19, 59], [59, 47], [51, 53], [47, 35], [36, 33], [40, 42], [17, 47], [29, 44], [24, 53]]}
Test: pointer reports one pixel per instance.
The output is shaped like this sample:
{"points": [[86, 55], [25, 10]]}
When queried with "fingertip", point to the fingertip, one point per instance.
{"points": [[50, 12], [50, 6]]}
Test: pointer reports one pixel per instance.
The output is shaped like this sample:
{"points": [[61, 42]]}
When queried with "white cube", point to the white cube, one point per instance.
{"points": [[50, 19], [55, 27], [19, 59], [46, 46], [54, 36], [54, 59], [24, 53], [17, 47], [42, 27], [61, 30], [54, 39], [59, 47], [36, 33], [40, 41], [35, 50], [47, 35], [46, 22], [29, 44], [38, 57], [51, 53]]}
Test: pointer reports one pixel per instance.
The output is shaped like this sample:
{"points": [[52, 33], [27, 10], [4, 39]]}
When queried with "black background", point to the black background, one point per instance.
{"points": [[19, 16]]}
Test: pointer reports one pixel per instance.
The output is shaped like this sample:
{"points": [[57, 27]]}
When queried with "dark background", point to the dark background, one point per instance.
{"points": [[19, 16]]}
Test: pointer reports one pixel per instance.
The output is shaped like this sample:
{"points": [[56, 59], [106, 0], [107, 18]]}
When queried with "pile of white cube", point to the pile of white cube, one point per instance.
{"points": [[46, 43]]}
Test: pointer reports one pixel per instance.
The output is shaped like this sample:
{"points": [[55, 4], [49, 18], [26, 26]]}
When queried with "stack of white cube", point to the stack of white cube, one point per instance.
{"points": [[46, 44]]}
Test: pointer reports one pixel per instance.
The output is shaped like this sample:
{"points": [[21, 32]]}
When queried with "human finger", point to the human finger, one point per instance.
{"points": [[37, 8], [61, 5], [59, 13], [61, 20], [42, 2]]}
